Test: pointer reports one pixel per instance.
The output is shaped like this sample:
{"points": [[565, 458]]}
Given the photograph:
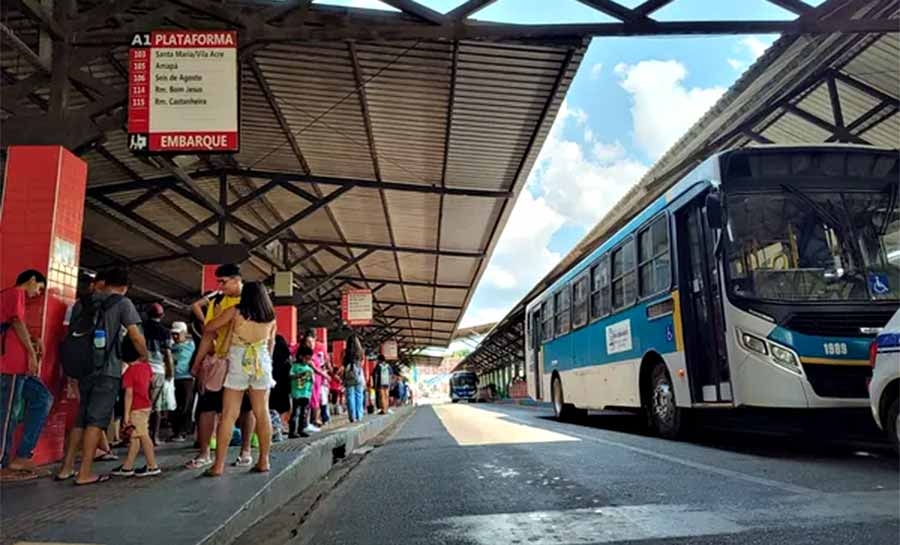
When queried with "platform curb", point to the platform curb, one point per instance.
{"points": [[314, 462]]}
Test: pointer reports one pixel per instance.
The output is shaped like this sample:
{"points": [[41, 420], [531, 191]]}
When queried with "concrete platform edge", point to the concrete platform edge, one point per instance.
{"points": [[314, 462]]}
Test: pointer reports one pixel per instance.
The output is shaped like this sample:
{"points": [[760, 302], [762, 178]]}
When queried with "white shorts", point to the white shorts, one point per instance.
{"points": [[238, 379]]}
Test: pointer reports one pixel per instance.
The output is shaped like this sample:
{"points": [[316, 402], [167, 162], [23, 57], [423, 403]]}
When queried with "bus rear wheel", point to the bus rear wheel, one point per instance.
{"points": [[562, 410], [665, 415]]}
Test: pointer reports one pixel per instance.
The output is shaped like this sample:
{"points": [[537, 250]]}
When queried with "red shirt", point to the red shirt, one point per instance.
{"points": [[137, 377], [14, 361]]}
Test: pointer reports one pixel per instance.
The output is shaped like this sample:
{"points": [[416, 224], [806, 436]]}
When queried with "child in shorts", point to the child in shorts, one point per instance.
{"points": [[136, 383], [301, 391]]}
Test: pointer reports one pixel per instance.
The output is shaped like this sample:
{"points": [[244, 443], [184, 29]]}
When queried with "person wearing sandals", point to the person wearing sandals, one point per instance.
{"points": [[209, 403], [252, 340], [137, 382]]}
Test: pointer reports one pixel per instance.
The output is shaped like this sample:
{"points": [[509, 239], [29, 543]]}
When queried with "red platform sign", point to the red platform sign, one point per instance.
{"points": [[183, 92]]}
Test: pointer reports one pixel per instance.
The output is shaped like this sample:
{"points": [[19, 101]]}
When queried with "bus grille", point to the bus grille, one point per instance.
{"points": [[833, 324], [846, 381]]}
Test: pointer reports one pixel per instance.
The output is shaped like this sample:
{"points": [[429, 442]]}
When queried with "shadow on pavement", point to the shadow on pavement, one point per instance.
{"points": [[836, 435]]}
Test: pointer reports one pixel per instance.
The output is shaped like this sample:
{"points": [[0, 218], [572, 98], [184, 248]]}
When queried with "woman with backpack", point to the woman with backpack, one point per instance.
{"points": [[250, 341], [354, 378]]}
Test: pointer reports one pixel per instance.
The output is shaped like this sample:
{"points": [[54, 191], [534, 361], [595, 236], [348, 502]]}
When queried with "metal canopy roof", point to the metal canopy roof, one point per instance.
{"points": [[379, 150], [804, 89]]}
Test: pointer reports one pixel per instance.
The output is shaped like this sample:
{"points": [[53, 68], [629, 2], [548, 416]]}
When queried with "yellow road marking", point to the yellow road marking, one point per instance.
{"points": [[470, 426]]}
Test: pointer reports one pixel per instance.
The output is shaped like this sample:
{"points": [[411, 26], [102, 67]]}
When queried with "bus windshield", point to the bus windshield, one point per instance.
{"points": [[796, 245], [462, 380]]}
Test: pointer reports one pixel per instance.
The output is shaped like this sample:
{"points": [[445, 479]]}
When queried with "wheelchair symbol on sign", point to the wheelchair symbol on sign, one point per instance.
{"points": [[137, 142], [878, 284]]}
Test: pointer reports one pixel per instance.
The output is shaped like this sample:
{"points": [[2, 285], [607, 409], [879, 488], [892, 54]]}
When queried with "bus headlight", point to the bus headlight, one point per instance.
{"points": [[784, 358], [779, 355], [754, 344]]}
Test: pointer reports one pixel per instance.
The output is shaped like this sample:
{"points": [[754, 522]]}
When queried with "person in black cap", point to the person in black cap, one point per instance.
{"points": [[227, 295]]}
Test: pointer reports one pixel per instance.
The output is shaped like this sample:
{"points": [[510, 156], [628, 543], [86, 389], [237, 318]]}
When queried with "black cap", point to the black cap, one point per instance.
{"points": [[228, 270]]}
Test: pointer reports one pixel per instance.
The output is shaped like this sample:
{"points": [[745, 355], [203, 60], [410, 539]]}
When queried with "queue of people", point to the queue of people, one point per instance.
{"points": [[233, 370]]}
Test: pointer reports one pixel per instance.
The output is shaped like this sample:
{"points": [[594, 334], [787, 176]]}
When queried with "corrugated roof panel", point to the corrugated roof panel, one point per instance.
{"points": [[414, 217], [456, 269], [390, 292], [418, 294], [416, 267], [885, 134], [380, 265], [110, 234], [877, 64], [466, 222], [446, 314], [791, 129], [447, 296], [360, 214]]}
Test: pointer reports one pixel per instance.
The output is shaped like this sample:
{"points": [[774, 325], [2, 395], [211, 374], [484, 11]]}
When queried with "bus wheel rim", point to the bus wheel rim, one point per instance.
{"points": [[663, 402]]}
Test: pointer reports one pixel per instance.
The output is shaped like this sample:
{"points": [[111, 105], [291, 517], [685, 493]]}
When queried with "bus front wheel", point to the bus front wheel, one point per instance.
{"points": [[562, 410], [665, 415]]}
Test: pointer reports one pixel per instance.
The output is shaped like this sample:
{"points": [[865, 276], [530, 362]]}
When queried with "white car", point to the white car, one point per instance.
{"points": [[884, 389]]}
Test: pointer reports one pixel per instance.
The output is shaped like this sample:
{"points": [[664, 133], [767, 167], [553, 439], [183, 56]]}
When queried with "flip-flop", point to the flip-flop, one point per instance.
{"points": [[243, 461], [60, 478], [257, 469], [198, 463], [18, 476], [106, 457], [99, 479], [209, 473]]}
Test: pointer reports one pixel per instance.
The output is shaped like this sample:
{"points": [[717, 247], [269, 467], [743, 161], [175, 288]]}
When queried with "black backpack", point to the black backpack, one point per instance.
{"points": [[79, 356]]}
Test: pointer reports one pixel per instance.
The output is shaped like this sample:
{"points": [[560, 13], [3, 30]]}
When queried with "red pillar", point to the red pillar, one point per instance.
{"points": [[286, 322], [41, 217], [208, 283]]}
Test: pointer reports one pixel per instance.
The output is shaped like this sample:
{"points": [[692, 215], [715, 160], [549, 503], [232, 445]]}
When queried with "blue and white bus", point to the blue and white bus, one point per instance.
{"points": [[463, 386], [758, 280]]}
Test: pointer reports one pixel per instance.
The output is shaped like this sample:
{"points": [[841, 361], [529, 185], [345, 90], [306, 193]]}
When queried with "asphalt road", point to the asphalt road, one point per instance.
{"points": [[489, 475]]}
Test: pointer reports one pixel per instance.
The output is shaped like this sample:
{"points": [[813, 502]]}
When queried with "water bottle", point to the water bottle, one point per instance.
{"points": [[99, 338]]}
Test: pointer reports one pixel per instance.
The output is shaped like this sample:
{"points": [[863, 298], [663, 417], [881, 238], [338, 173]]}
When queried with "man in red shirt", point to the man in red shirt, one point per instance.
{"points": [[20, 376]]}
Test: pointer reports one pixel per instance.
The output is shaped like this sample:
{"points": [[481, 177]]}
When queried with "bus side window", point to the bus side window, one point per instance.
{"points": [[562, 311], [600, 288], [547, 317], [580, 302], [623, 282], [654, 271]]}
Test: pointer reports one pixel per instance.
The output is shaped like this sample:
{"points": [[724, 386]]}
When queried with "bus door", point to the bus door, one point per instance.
{"points": [[536, 362], [701, 306]]}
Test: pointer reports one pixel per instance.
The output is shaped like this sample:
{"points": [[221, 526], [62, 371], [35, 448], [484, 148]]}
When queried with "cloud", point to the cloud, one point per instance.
{"points": [[756, 45], [608, 153], [749, 48], [596, 70], [500, 277], [582, 186], [663, 108], [483, 315], [737, 65]]}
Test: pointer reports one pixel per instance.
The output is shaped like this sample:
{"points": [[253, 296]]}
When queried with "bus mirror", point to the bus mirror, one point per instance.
{"points": [[714, 211]]}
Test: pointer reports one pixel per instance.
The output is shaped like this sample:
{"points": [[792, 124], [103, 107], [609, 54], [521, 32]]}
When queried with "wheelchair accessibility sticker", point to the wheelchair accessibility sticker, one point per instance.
{"points": [[878, 284]]}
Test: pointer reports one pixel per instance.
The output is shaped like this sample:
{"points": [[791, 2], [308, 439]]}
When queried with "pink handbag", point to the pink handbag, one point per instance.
{"points": [[214, 368], [212, 373]]}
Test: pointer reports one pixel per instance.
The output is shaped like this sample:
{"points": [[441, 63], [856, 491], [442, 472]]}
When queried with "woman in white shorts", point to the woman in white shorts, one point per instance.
{"points": [[251, 341]]}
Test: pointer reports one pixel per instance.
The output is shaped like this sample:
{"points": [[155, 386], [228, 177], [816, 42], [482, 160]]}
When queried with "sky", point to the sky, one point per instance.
{"points": [[631, 99]]}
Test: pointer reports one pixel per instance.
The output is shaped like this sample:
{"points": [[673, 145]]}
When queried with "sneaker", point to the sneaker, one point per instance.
{"points": [[311, 429], [147, 472], [390, 411], [122, 472], [178, 439]]}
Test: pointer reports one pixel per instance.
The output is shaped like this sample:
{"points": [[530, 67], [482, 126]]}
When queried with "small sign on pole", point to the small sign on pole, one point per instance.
{"points": [[389, 350], [183, 92], [356, 307]]}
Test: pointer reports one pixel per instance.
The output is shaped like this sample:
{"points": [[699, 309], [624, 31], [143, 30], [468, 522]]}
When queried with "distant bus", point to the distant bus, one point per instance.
{"points": [[758, 280], [463, 386]]}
